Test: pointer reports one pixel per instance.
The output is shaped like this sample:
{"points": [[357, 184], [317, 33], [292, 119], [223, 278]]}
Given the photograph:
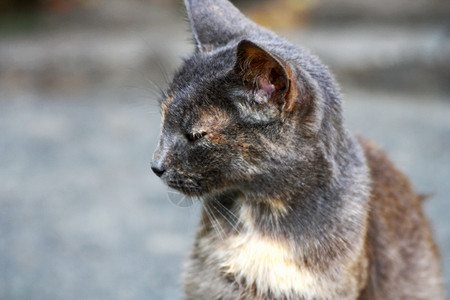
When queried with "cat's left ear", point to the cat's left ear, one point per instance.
{"points": [[270, 78]]}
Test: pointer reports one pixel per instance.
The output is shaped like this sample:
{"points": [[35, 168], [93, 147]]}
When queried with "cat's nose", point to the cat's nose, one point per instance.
{"points": [[159, 160], [158, 170]]}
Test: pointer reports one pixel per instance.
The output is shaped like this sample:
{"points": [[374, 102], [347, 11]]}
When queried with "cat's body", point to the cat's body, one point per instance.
{"points": [[294, 206], [397, 258]]}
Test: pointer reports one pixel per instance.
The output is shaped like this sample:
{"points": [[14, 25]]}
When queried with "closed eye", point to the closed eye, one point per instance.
{"points": [[194, 136]]}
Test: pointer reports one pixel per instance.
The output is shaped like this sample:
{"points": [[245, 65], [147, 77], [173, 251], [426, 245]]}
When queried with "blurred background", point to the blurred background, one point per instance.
{"points": [[81, 214]]}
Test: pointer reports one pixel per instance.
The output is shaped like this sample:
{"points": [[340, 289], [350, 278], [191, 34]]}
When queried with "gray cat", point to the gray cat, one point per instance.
{"points": [[294, 206]]}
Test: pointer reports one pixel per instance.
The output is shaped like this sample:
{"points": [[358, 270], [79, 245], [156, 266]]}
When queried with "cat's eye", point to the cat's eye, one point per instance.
{"points": [[194, 136]]}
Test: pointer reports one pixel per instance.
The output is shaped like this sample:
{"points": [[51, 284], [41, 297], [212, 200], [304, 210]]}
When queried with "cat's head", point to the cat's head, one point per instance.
{"points": [[241, 113]]}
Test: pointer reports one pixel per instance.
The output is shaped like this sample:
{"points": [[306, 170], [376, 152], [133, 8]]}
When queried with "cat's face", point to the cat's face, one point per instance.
{"points": [[206, 143], [227, 122]]}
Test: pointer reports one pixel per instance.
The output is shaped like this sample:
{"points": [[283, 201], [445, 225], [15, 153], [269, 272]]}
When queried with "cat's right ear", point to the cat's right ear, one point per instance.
{"points": [[214, 23], [270, 78]]}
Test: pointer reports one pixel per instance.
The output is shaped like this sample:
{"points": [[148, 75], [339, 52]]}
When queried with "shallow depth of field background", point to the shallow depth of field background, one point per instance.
{"points": [[81, 214]]}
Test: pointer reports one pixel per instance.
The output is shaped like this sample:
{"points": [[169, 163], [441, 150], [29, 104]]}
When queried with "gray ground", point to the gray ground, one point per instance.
{"points": [[81, 215]]}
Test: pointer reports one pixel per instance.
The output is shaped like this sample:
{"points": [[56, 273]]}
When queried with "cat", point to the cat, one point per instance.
{"points": [[294, 206]]}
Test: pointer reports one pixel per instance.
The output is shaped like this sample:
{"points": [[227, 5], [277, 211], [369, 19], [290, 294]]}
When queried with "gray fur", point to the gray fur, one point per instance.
{"points": [[298, 175]]}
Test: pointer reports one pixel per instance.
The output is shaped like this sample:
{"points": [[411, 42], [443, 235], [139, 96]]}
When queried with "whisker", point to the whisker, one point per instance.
{"points": [[201, 218], [226, 219], [215, 223], [210, 219], [231, 214], [217, 220], [162, 93], [163, 71], [150, 90]]}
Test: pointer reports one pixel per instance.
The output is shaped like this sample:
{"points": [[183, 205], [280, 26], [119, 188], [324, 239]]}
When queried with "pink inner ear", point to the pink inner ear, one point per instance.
{"points": [[265, 85], [264, 91]]}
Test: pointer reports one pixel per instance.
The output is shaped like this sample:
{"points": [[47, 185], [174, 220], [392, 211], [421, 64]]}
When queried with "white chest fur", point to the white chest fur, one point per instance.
{"points": [[267, 263]]}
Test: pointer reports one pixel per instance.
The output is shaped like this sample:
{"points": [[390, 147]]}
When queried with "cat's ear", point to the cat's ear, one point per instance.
{"points": [[214, 23], [270, 79]]}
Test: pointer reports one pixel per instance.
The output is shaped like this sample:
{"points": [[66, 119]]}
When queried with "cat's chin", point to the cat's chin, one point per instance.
{"points": [[195, 192], [199, 187], [190, 190]]}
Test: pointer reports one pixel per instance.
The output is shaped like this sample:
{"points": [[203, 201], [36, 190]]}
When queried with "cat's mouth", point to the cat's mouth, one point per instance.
{"points": [[187, 187]]}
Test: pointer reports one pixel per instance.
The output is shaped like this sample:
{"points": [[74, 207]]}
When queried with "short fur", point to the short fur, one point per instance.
{"points": [[294, 206]]}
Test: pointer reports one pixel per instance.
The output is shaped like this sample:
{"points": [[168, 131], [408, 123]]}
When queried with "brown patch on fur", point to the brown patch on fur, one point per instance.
{"points": [[278, 207], [403, 256], [164, 107], [212, 122], [218, 138], [248, 151]]}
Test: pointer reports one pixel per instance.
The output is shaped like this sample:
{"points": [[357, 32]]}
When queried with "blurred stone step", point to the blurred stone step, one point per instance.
{"points": [[94, 47], [416, 58], [382, 11]]}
